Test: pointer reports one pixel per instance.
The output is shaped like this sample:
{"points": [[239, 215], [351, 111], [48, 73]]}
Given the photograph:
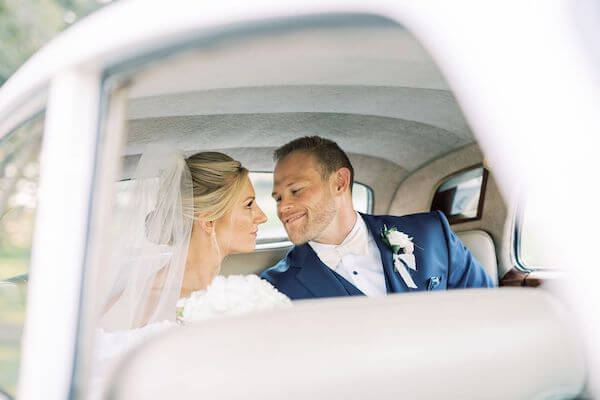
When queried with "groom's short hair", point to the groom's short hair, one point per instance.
{"points": [[327, 153]]}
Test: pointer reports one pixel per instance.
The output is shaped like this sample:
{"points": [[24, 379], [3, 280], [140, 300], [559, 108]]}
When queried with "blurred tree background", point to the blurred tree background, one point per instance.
{"points": [[26, 25]]}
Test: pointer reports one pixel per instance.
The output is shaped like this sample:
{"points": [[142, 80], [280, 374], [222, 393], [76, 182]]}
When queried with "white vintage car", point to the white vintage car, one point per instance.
{"points": [[485, 111]]}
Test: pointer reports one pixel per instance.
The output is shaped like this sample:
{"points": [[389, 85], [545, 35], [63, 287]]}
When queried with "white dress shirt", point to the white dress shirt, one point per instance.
{"points": [[357, 259]]}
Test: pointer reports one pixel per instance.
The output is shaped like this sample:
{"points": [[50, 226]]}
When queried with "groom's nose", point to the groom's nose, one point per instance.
{"points": [[284, 205]]}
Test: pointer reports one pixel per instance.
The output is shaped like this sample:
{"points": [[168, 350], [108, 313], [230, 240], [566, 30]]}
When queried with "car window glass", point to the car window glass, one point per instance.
{"points": [[19, 172], [460, 196], [272, 231]]}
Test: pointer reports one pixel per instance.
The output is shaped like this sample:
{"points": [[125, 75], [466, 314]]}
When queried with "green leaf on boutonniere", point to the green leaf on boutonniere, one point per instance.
{"points": [[395, 249], [384, 238]]}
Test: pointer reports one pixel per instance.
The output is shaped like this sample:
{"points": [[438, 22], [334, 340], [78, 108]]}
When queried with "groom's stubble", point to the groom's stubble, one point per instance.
{"points": [[319, 217]]}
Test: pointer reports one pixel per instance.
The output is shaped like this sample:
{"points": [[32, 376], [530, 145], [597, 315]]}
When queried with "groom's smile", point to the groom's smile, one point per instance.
{"points": [[293, 218]]}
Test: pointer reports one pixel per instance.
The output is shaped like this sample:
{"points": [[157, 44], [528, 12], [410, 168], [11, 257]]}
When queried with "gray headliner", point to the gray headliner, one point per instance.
{"points": [[430, 106], [374, 89], [409, 144]]}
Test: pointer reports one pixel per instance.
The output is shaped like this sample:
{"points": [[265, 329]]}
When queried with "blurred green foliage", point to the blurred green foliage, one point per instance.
{"points": [[19, 177], [26, 25], [12, 319]]}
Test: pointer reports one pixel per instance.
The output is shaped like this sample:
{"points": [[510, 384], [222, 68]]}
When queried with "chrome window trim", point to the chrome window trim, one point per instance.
{"points": [[515, 253], [106, 140], [273, 245]]}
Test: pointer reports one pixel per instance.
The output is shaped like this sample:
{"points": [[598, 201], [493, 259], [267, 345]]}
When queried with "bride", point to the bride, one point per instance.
{"points": [[174, 224], [177, 221]]}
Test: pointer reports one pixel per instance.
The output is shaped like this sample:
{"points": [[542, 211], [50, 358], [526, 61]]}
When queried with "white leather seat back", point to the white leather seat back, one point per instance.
{"points": [[463, 344], [481, 245]]}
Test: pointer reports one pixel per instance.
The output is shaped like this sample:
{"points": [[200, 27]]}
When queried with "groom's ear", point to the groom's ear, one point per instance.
{"points": [[341, 180]]}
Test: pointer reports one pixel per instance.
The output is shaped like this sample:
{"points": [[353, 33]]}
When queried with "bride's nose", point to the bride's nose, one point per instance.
{"points": [[260, 218]]}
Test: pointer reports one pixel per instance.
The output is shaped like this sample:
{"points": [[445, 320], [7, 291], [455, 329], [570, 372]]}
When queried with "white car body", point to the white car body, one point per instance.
{"points": [[525, 74]]}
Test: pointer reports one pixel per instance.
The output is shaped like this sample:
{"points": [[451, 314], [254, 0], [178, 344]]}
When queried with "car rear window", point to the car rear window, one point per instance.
{"points": [[272, 233], [460, 196]]}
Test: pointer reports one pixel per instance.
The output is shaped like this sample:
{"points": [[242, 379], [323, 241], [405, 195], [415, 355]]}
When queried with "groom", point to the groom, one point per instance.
{"points": [[339, 252]]}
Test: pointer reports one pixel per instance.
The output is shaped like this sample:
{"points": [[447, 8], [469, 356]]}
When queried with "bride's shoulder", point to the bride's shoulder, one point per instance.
{"points": [[232, 295]]}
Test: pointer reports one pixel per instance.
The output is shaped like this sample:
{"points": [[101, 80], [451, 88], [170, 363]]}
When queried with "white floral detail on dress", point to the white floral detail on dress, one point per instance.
{"points": [[402, 249], [232, 295]]}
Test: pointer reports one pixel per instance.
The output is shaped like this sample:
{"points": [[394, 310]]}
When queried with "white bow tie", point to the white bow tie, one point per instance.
{"points": [[356, 245]]}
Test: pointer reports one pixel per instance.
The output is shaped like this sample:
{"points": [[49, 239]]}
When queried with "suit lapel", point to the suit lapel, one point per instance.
{"points": [[314, 275], [393, 282]]}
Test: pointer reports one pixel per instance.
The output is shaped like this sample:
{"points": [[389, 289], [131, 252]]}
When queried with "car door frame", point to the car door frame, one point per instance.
{"points": [[49, 359]]}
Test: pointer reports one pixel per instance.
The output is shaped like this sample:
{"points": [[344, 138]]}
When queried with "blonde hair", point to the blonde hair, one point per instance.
{"points": [[218, 181]]}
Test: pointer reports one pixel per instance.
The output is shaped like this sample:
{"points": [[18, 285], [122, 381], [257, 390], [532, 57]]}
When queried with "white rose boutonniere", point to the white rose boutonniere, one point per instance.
{"points": [[402, 248], [399, 241]]}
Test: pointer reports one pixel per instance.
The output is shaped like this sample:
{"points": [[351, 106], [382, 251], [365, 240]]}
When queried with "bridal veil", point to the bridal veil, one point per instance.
{"points": [[152, 229]]}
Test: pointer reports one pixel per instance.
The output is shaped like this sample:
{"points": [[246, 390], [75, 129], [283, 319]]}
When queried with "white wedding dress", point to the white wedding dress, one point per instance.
{"points": [[225, 296]]}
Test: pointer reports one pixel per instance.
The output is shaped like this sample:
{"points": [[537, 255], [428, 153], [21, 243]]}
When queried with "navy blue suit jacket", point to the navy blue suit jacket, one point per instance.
{"points": [[443, 262]]}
